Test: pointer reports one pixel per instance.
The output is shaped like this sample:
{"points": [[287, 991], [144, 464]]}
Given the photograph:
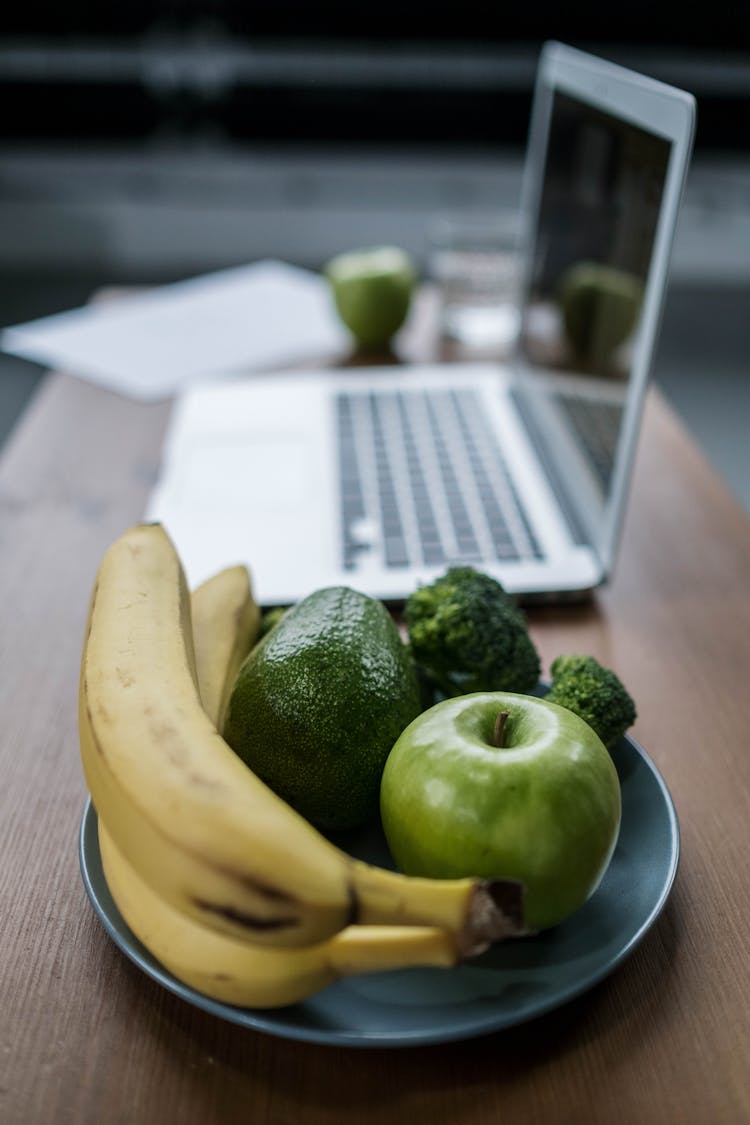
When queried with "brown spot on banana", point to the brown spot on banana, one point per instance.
{"points": [[90, 716], [273, 894], [249, 922], [127, 679]]}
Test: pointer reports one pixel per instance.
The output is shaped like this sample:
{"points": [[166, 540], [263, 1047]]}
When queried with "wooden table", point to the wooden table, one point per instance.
{"points": [[86, 1039]]}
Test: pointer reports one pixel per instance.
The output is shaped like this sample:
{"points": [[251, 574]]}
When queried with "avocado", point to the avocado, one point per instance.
{"points": [[320, 701]]}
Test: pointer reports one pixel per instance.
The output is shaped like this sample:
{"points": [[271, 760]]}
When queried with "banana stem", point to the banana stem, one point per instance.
{"points": [[475, 912]]}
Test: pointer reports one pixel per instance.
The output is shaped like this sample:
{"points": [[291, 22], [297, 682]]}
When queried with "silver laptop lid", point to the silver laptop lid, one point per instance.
{"points": [[607, 160]]}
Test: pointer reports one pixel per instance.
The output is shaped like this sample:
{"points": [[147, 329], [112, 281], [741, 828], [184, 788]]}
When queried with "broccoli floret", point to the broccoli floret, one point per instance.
{"points": [[270, 619], [467, 634], [584, 686]]}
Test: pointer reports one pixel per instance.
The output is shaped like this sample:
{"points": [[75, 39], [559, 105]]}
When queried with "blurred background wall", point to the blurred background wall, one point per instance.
{"points": [[147, 141]]}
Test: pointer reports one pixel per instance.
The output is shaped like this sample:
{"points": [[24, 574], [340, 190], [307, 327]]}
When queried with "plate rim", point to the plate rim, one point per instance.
{"points": [[263, 1019]]}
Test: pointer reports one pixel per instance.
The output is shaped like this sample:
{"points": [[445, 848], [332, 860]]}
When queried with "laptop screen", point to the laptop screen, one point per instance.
{"points": [[596, 220]]}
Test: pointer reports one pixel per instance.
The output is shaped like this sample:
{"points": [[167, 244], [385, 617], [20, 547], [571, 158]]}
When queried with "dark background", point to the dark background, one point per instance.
{"points": [[386, 72]]}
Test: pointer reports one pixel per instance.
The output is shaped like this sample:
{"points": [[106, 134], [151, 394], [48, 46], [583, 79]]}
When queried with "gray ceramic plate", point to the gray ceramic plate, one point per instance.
{"points": [[511, 983]]}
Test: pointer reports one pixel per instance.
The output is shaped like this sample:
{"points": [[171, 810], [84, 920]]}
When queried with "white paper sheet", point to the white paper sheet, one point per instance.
{"points": [[148, 346]]}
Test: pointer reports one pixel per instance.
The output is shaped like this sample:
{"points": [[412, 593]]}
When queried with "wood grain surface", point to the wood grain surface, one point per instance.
{"points": [[86, 1039]]}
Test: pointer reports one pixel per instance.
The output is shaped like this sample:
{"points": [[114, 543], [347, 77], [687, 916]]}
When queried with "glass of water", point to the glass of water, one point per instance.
{"points": [[475, 261]]}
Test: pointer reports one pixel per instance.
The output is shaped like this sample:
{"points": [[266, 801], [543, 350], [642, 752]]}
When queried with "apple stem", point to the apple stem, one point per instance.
{"points": [[499, 731]]}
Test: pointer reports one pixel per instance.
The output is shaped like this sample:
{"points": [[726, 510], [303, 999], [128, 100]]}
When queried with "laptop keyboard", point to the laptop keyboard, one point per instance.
{"points": [[422, 474], [596, 424]]}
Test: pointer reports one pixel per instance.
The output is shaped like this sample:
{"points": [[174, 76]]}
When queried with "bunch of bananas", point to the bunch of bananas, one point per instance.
{"points": [[226, 885]]}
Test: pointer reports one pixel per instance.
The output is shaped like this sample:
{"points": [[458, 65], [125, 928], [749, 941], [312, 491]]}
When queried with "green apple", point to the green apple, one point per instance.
{"points": [[500, 785], [600, 306], [372, 291]]}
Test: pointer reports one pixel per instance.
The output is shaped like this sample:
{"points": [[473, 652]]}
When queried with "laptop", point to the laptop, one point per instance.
{"points": [[382, 478]]}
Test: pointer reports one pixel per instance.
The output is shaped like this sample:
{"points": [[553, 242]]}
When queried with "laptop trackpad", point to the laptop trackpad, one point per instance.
{"points": [[263, 471]]}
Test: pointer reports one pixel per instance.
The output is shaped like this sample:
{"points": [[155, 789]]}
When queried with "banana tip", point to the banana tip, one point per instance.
{"points": [[495, 913]]}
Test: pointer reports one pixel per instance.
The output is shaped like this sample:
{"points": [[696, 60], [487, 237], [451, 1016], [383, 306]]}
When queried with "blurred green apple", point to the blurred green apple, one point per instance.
{"points": [[600, 306], [500, 785], [372, 290]]}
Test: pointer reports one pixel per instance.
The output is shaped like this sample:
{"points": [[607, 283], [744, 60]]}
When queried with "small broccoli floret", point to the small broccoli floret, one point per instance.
{"points": [[270, 619], [583, 685], [467, 634]]}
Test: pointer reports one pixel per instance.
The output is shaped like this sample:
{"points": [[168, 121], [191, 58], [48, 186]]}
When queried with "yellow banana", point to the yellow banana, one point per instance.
{"points": [[197, 825], [236, 972], [225, 619]]}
